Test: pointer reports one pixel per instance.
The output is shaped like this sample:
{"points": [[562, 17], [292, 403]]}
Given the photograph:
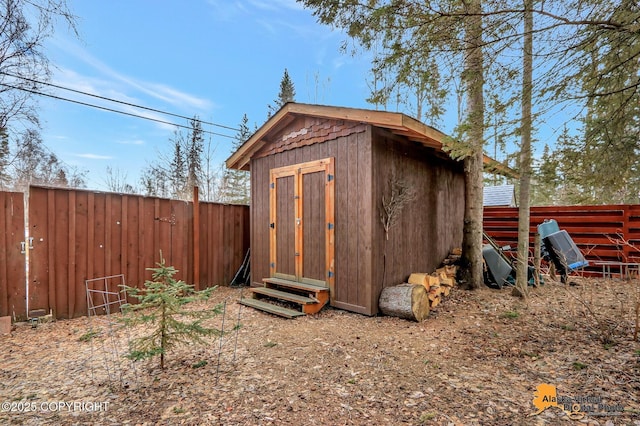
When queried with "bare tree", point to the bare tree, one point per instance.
{"points": [[24, 26], [116, 181], [33, 163]]}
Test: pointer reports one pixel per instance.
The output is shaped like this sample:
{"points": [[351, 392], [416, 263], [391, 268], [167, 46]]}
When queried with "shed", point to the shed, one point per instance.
{"points": [[318, 177]]}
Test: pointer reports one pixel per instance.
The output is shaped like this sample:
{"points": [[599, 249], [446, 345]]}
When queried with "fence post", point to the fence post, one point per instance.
{"points": [[626, 218], [196, 238]]}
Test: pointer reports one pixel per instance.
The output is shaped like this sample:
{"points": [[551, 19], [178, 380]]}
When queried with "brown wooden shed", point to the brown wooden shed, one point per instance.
{"points": [[318, 176]]}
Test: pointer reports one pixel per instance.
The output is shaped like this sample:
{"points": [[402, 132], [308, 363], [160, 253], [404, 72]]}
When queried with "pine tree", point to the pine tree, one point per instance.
{"points": [[526, 130], [175, 175], [287, 94], [194, 154], [177, 170], [574, 167], [236, 183], [546, 180], [162, 311]]}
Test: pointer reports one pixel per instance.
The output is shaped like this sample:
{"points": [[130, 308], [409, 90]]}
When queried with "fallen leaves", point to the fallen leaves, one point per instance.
{"points": [[467, 364]]}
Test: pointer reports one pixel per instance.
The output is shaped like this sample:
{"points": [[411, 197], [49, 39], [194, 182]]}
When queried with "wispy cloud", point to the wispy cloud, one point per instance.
{"points": [[89, 156], [132, 142], [276, 4], [272, 15], [108, 89], [112, 83]]}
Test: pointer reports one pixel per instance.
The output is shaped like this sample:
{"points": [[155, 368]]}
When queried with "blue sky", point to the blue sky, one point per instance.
{"points": [[218, 59]]}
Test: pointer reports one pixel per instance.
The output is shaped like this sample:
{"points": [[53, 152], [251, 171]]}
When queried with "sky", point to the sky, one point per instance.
{"points": [[218, 59]]}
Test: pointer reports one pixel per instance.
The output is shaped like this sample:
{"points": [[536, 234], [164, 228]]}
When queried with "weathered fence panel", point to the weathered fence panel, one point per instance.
{"points": [[223, 229], [12, 258], [603, 233], [80, 235]]}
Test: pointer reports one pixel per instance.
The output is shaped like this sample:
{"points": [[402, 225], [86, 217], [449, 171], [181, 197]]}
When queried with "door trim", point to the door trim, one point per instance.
{"points": [[325, 165]]}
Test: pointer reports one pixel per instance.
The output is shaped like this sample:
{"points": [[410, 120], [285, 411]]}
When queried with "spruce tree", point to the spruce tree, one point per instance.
{"points": [[194, 154], [177, 171], [175, 175], [287, 94], [162, 311], [236, 183], [546, 181]]}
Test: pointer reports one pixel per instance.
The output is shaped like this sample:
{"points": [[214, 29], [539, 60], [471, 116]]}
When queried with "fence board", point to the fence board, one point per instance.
{"points": [[601, 232], [83, 235], [12, 271]]}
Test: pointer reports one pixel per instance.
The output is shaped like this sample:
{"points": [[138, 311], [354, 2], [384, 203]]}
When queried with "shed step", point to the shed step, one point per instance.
{"points": [[294, 284], [272, 309], [283, 295]]}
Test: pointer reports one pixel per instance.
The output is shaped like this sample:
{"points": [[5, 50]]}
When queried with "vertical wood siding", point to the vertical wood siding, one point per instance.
{"points": [[80, 235], [352, 154], [365, 157], [429, 226]]}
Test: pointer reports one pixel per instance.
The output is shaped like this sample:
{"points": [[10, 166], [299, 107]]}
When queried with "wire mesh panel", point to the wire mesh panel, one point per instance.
{"points": [[109, 340], [105, 295]]}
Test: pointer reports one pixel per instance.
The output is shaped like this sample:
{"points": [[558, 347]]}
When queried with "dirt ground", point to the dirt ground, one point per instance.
{"points": [[477, 360]]}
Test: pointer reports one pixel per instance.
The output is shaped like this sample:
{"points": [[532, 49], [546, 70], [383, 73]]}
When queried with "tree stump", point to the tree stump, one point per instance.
{"points": [[407, 301]]}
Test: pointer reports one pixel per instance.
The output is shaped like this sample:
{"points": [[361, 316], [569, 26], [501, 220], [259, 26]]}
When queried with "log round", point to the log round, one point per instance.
{"points": [[408, 301]]}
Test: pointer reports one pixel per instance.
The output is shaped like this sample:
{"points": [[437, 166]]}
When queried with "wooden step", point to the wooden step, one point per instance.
{"points": [[272, 309], [269, 282], [283, 295]]}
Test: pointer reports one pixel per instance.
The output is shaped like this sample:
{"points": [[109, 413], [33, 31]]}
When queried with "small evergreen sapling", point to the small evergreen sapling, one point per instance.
{"points": [[162, 311]]}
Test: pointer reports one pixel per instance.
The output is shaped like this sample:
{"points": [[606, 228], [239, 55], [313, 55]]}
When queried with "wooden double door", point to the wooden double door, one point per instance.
{"points": [[301, 211]]}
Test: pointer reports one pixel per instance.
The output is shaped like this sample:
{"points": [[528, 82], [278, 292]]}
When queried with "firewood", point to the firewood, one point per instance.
{"points": [[434, 292], [419, 278], [408, 301], [447, 282], [435, 302], [456, 251], [432, 280], [451, 271]]}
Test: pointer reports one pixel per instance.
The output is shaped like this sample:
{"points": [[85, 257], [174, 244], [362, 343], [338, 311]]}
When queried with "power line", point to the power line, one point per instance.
{"points": [[35, 92], [115, 100]]}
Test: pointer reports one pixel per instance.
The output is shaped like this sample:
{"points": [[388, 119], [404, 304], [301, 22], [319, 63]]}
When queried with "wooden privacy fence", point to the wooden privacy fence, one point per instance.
{"points": [[603, 233], [75, 235], [12, 261]]}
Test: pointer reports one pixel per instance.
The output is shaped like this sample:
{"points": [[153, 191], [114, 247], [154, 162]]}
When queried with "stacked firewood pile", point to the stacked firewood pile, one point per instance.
{"points": [[424, 291]]}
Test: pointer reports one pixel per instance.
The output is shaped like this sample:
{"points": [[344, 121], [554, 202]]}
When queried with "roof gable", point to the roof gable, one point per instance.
{"points": [[395, 122], [502, 195]]}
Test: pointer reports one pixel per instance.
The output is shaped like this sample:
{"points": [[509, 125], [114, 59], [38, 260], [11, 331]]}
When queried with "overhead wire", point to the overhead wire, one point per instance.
{"points": [[36, 92], [46, 83]]}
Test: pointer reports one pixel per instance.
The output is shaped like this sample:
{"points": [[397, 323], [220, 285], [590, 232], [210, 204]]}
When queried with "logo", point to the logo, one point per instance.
{"points": [[576, 407]]}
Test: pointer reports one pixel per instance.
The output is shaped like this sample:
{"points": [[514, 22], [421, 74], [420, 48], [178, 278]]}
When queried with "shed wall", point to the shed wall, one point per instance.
{"points": [[429, 226], [350, 145]]}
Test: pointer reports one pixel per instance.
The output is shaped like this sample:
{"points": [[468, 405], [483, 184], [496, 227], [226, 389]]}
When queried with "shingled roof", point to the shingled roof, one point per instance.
{"points": [[395, 122], [502, 195]]}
